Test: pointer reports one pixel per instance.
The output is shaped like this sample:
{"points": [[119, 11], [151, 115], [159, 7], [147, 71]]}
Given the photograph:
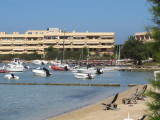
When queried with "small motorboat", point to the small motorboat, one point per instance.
{"points": [[41, 71], [86, 70], [84, 76], [11, 77], [16, 67], [37, 62], [56, 68], [40, 62], [17, 61]]}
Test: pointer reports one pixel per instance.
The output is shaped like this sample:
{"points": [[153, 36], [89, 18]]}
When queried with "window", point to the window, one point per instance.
{"points": [[75, 49], [104, 43], [29, 32], [68, 49], [103, 50], [18, 44], [6, 44]]}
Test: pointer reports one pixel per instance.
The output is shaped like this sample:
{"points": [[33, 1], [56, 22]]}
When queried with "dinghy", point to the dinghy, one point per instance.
{"points": [[84, 76], [11, 77]]}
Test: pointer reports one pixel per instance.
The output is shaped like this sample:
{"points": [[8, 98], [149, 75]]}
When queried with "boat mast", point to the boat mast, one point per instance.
{"points": [[63, 46], [87, 56]]}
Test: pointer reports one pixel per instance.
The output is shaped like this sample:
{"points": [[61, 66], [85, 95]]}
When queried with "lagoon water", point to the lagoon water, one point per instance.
{"points": [[39, 102]]}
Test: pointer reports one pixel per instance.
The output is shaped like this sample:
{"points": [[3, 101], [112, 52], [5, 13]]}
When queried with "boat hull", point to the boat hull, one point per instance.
{"points": [[87, 71], [84, 76], [9, 77], [41, 72], [56, 68], [4, 71], [15, 69]]}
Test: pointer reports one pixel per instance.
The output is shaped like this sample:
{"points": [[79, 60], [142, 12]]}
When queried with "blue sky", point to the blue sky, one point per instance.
{"points": [[124, 17]]}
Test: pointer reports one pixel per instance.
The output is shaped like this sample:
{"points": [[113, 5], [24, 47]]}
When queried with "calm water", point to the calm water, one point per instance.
{"points": [[28, 102]]}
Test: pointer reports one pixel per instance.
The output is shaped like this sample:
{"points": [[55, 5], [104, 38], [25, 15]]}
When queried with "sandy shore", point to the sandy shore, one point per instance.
{"points": [[96, 112]]}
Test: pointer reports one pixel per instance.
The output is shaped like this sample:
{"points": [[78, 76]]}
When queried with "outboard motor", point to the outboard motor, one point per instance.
{"points": [[12, 75], [88, 66], [99, 71], [65, 68], [47, 72], [26, 67], [89, 76]]}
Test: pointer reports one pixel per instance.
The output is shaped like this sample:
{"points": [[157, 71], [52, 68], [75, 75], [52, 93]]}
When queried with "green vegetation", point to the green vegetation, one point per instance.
{"points": [[134, 49], [52, 53], [154, 30], [31, 56], [154, 105]]}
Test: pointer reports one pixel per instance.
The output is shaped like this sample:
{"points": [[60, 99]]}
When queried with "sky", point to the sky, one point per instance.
{"points": [[123, 17]]}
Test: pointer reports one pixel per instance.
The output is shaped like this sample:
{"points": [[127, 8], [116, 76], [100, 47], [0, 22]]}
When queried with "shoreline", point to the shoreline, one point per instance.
{"points": [[96, 112]]}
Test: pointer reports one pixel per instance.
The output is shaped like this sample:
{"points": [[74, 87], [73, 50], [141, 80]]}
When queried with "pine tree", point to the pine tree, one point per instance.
{"points": [[155, 29], [154, 105]]}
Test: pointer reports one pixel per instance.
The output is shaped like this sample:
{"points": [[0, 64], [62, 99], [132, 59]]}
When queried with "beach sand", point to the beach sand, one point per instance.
{"points": [[97, 112]]}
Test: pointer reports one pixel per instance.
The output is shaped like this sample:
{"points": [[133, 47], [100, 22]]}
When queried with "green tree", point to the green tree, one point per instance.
{"points": [[86, 52], [149, 49], [51, 53], [134, 49], [154, 105], [155, 28], [117, 50]]}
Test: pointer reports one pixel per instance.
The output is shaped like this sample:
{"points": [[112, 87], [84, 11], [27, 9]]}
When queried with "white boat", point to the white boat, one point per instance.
{"points": [[55, 62], [37, 62], [86, 70], [17, 61], [15, 68], [84, 76], [41, 72], [11, 77], [44, 62], [40, 62], [110, 68]]}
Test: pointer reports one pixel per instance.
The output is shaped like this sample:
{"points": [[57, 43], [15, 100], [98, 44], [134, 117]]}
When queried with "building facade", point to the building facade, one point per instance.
{"points": [[39, 40], [144, 36]]}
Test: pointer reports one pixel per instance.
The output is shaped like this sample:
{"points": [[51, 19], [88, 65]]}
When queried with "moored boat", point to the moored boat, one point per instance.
{"points": [[37, 62], [15, 68], [56, 68], [40, 62], [41, 72], [11, 77], [86, 70], [16, 61], [84, 76]]}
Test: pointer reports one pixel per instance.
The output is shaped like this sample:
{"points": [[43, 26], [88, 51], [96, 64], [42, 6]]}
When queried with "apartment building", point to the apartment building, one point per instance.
{"points": [[38, 40], [144, 36]]}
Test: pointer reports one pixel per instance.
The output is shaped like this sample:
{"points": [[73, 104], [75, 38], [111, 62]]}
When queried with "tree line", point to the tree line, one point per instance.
{"points": [[52, 53], [137, 50]]}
